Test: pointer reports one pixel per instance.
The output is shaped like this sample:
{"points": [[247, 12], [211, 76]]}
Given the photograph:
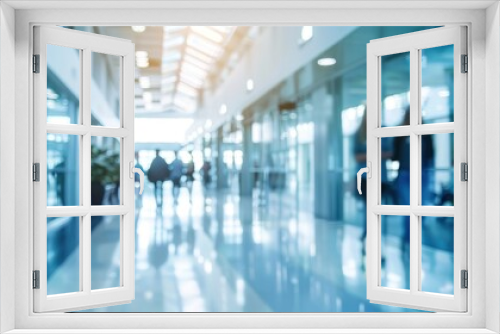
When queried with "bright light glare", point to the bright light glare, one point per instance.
{"points": [[306, 33], [138, 29], [154, 130], [327, 61], [250, 85], [223, 109]]}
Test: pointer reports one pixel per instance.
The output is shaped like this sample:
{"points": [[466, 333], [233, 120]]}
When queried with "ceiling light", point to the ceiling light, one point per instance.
{"points": [[142, 64], [208, 33], [187, 90], [250, 85], [306, 33], [208, 123], [141, 54], [327, 61], [199, 55], [138, 29], [223, 109]]}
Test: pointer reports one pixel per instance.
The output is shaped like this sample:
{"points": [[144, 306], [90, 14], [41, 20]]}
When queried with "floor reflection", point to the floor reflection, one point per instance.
{"points": [[220, 253]]}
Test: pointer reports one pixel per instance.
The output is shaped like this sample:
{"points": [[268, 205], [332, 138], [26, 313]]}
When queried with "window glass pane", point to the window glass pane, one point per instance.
{"points": [[63, 169], [437, 91], [437, 254], [105, 171], [63, 85], [395, 89], [63, 255], [105, 90], [437, 169], [105, 252], [395, 170], [395, 251]]}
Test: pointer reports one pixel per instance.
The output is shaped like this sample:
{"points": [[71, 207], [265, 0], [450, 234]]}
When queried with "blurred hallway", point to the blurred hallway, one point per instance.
{"points": [[274, 223]]}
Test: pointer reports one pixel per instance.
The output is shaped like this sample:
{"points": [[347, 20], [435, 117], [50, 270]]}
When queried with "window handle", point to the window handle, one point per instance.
{"points": [[368, 171], [134, 170]]}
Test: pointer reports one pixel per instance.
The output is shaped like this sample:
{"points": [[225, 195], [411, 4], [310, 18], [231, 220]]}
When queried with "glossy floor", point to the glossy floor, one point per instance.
{"points": [[215, 252]]}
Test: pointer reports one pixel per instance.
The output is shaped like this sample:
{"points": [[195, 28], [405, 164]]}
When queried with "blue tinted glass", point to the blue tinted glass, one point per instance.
{"points": [[105, 171], [105, 90], [63, 92], [395, 252], [395, 89], [63, 255], [437, 169], [395, 170], [63, 169], [105, 249], [437, 254], [437, 91]]}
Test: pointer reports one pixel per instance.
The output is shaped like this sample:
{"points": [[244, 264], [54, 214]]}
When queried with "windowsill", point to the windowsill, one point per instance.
{"points": [[262, 331]]}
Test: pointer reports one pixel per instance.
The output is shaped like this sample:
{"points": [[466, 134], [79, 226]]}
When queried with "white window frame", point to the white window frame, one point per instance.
{"points": [[86, 44], [483, 292], [413, 43]]}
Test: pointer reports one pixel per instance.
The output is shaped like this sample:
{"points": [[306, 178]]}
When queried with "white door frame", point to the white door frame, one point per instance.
{"points": [[480, 94]]}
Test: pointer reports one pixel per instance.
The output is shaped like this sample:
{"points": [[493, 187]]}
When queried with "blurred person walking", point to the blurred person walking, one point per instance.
{"points": [[176, 171], [157, 174], [205, 174], [190, 176]]}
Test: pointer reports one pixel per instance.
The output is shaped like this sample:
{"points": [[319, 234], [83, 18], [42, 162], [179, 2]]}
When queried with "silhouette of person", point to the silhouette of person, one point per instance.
{"points": [[190, 176], [176, 171], [205, 173], [157, 174]]}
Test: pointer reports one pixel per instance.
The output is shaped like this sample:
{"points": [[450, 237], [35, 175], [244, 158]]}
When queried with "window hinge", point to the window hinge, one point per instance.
{"points": [[36, 63], [464, 171], [465, 64], [36, 172], [36, 279], [465, 279]]}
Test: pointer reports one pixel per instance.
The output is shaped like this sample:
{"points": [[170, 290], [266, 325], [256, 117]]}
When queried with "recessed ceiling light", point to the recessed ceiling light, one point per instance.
{"points": [[327, 61], [306, 33], [250, 85], [141, 54], [138, 28], [223, 109]]}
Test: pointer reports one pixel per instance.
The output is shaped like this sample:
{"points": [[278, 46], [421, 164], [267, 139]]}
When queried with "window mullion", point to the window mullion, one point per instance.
{"points": [[414, 169], [85, 252]]}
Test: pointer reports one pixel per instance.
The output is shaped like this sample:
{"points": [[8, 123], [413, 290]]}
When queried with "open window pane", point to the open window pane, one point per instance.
{"points": [[395, 252], [395, 170], [437, 92], [63, 170], [105, 171], [395, 89], [63, 85], [437, 254], [434, 143], [78, 171], [105, 90], [63, 255], [437, 169], [105, 245]]}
